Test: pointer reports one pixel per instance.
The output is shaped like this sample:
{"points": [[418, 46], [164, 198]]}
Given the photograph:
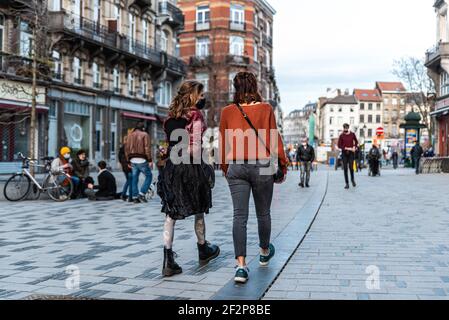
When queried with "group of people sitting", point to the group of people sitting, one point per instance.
{"points": [[79, 171]]}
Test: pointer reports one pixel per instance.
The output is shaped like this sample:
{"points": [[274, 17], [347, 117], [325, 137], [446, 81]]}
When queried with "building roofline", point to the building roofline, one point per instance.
{"points": [[268, 6]]}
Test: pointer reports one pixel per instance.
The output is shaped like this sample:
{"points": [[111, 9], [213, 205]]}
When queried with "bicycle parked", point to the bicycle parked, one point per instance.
{"points": [[58, 186]]}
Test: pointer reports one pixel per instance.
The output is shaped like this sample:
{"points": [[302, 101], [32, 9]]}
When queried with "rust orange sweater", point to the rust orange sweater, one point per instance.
{"points": [[239, 142]]}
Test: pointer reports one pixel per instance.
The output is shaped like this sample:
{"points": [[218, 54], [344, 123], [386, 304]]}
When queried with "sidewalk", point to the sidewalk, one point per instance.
{"points": [[117, 247], [391, 230]]}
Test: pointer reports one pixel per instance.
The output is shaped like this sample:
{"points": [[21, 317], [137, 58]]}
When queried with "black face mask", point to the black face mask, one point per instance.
{"points": [[201, 104]]}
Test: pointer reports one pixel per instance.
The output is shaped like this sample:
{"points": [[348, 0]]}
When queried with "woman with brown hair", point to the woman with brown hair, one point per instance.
{"points": [[185, 187], [246, 163]]}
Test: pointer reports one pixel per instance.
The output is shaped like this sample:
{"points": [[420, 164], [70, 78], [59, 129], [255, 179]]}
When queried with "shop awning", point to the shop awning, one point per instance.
{"points": [[19, 106], [138, 116], [440, 112]]}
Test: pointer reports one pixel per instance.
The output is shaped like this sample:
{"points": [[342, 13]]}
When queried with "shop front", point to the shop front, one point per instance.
{"points": [[15, 120], [77, 125], [441, 117]]}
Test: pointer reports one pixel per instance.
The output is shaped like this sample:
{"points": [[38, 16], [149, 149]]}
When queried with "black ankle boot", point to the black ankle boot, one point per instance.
{"points": [[170, 266], [207, 252]]}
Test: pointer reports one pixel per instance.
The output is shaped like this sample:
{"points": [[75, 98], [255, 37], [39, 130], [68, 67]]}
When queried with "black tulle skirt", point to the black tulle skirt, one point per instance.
{"points": [[184, 190]]}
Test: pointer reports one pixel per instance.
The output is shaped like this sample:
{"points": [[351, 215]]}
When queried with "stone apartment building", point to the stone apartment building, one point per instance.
{"points": [[335, 112], [296, 127], [370, 112], [223, 37], [112, 63]]}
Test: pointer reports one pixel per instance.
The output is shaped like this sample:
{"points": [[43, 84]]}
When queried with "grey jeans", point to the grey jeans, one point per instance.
{"points": [[244, 179], [305, 171]]}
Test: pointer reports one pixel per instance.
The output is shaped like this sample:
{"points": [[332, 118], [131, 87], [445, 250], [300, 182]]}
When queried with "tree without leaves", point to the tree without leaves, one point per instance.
{"points": [[422, 89], [37, 66]]}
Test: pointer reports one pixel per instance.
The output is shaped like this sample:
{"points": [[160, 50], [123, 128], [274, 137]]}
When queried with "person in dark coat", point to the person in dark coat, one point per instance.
{"points": [[305, 155], [126, 168], [417, 153], [81, 169], [106, 188], [374, 156]]}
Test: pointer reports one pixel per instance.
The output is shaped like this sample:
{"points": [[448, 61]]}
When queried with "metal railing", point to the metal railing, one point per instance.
{"points": [[141, 49], [176, 64], [94, 31], [434, 165], [176, 15], [82, 26]]}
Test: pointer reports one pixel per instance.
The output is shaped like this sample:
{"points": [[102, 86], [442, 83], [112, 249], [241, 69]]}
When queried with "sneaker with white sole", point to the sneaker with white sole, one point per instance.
{"points": [[264, 260], [241, 274]]}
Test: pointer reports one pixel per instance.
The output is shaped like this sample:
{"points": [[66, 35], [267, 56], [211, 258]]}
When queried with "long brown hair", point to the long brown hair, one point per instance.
{"points": [[188, 95], [246, 89]]}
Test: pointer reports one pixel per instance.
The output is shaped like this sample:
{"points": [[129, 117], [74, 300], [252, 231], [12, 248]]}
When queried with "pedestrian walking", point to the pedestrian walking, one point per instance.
{"points": [[186, 187], [395, 158], [374, 157], [138, 153], [127, 191], [417, 153], [305, 155], [246, 164], [348, 143]]}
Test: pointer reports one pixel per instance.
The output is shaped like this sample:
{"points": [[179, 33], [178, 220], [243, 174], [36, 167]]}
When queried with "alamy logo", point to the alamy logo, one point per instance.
{"points": [[73, 280], [373, 280]]}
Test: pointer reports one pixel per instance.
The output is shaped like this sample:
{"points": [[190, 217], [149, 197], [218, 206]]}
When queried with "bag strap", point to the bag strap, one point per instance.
{"points": [[245, 115]]}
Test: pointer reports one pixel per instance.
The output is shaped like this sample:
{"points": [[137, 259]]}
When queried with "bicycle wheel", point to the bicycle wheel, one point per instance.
{"points": [[17, 187], [59, 187], [34, 193]]}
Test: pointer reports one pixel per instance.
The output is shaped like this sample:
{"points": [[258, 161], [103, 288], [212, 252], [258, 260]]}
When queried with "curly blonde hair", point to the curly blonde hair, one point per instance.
{"points": [[188, 95]]}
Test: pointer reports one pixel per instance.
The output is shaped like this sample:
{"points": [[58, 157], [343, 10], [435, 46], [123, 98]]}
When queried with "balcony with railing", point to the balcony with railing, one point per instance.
{"points": [[174, 15], [436, 53], [237, 25], [86, 28], [238, 60], [202, 25], [200, 61], [141, 3], [141, 49], [176, 65]]}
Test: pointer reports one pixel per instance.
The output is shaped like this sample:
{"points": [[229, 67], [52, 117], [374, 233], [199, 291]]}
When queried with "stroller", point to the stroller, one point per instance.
{"points": [[374, 157]]}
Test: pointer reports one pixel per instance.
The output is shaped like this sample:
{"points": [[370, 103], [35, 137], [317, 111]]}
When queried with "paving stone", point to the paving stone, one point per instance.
{"points": [[356, 231]]}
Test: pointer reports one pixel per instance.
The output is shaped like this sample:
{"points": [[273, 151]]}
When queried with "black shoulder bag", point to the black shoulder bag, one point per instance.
{"points": [[279, 175]]}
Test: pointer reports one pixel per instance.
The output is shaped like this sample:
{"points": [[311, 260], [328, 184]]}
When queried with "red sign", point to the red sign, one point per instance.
{"points": [[380, 131]]}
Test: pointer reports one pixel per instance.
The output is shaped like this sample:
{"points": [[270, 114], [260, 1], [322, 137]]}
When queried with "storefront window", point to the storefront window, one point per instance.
{"points": [[77, 125], [444, 89]]}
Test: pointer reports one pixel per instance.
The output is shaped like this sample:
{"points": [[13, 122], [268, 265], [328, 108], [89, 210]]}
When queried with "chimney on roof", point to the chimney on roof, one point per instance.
{"points": [[339, 92], [347, 92]]}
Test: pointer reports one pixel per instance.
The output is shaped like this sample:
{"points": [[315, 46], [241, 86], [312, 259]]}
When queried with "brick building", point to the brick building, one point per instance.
{"points": [[223, 37]]}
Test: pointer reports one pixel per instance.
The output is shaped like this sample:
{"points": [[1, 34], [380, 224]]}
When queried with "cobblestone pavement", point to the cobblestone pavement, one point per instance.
{"points": [[117, 246], [393, 229]]}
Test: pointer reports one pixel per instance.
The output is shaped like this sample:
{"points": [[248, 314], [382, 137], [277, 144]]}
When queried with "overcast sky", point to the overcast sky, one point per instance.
{"points": [[345, 43]]}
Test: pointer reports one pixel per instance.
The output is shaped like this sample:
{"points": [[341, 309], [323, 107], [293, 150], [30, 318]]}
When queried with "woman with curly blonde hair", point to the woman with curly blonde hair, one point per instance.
{"points": [[185, 188]]}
